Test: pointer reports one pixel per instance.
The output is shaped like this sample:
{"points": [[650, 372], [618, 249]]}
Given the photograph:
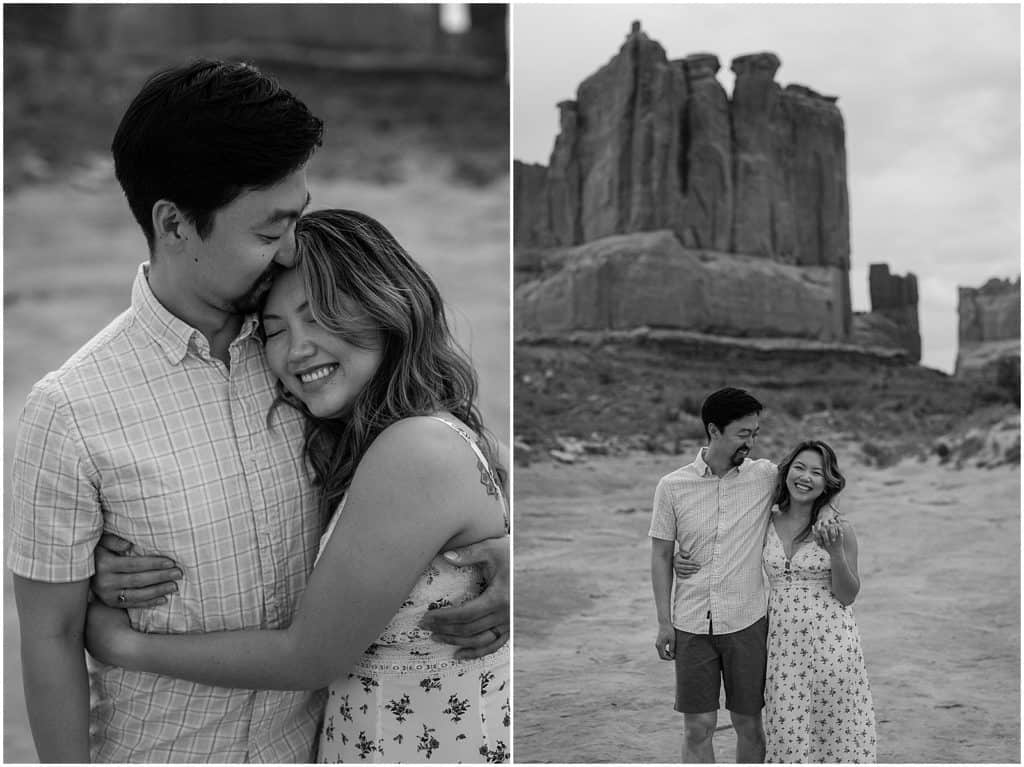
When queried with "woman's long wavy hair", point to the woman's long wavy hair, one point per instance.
{"points": [[345, 257], [834, 481]]}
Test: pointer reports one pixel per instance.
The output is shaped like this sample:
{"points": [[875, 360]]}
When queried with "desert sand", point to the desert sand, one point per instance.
{"points": [[938, 612], [70, 255]]}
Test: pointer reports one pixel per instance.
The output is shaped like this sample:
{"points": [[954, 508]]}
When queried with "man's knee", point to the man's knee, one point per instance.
{"points": [[699, 727], [748, 725]]}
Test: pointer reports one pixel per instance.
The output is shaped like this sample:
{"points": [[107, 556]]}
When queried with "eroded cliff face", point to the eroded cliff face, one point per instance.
{"points": [[647, 279], [989, 348], [651, 144]]}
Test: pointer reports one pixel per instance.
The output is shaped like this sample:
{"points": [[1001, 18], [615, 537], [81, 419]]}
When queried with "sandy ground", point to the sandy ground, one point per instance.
{"points": [[70, 255], [939, 613]]}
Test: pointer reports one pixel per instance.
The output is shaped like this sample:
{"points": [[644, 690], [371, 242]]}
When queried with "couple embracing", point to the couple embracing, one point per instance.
{"points": [[765, 573], [280, 444]]}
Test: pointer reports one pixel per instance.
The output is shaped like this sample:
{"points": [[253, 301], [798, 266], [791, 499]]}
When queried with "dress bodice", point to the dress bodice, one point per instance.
{"points": [[811, 565]]}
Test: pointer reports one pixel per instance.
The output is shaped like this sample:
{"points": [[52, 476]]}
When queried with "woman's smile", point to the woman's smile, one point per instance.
{"points": [[317, 374]]}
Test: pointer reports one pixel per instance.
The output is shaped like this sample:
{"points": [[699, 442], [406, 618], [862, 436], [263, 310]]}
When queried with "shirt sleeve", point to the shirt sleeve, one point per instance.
{"points": [[663, 518], [56, 517]]}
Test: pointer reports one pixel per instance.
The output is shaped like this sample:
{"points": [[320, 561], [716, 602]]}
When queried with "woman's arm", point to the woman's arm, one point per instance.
{"points": [[416, 491], [841, 544], [481, 625]]}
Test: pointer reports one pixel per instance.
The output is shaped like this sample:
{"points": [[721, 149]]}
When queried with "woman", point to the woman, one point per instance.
{"points": [[818, 705], [357, 336]]}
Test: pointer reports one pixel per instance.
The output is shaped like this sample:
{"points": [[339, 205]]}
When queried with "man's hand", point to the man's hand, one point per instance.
{"points": [[126, 581], [666, 642], [481, 625], [683, 565]]}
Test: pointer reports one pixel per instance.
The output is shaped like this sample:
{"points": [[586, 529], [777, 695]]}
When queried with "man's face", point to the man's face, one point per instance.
{"points": [[736, 440], [252, 239]]}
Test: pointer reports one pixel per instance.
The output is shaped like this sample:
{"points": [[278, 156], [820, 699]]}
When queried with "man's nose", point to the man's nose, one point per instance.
{"points": [[286, 253]]}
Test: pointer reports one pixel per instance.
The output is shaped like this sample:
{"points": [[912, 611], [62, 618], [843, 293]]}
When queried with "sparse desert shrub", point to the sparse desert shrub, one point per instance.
{"points": [[690, 403], [879, 455], [794, 406]]}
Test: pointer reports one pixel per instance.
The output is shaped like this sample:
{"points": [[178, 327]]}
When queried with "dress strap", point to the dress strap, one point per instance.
{"points": [[487, 476]]}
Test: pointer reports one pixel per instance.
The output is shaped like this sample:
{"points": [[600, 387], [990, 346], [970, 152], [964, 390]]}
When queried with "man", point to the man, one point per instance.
{"points": [[717, 510], [156, 430]]}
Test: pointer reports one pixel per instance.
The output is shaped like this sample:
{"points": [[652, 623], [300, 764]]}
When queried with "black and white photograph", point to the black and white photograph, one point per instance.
{"points": [[766, 383], [256, 405]]}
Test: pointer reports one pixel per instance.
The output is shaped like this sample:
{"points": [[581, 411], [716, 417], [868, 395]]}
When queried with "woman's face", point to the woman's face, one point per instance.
{"points": [[319, 367], [806, 478]]}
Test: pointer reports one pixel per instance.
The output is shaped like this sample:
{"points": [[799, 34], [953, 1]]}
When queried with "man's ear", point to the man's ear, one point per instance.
{"points": [[713, 431], [170, 227]]}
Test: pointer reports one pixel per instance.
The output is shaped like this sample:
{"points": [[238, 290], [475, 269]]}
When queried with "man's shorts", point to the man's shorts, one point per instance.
{"points": [[738, 659]]}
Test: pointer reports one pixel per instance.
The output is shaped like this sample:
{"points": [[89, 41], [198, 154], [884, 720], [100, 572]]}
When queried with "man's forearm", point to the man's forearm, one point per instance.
{"points": [[661, 580], [57, 696]]}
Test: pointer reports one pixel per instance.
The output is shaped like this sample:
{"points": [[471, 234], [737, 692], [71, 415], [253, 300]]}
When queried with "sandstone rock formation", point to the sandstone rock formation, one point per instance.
{"points": [[652, 144], [669, 286], [989, 336], [893, 320]]}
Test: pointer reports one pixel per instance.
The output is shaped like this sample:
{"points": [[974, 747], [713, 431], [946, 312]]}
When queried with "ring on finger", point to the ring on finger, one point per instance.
{"points": [[123, 596]]}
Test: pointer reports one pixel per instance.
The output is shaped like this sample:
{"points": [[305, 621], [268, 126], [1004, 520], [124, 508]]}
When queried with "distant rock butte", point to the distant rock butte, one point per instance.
{"points": [[656, 144], [893, 319], [752, 189], [989, 334]]}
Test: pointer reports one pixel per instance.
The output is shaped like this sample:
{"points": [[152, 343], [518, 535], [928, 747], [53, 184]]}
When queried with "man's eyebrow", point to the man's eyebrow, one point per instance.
{"points": [[285, 215]]}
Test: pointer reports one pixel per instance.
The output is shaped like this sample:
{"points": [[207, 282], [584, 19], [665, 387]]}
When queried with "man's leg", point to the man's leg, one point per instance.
{"points": [[749, 737], [698, 683], [744, 659], [698, 738]]}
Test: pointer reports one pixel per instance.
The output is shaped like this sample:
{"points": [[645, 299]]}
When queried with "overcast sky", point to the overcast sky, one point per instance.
{"points": [[930, 95]]}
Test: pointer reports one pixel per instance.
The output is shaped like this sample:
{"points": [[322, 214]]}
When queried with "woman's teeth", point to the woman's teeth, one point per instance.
{"points": [[316, 375]]}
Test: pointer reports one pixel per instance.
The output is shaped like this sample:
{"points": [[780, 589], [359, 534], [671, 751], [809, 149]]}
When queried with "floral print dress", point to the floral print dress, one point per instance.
{"points": [[818, 705], [408, 700]]}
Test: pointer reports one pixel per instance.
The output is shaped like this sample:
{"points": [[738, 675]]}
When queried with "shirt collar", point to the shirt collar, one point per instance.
{"points": [[705, 471], [175, 336]]}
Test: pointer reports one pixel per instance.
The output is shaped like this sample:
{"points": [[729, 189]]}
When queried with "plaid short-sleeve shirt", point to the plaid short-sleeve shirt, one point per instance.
{"points": [[722, 521], [142, 433]]}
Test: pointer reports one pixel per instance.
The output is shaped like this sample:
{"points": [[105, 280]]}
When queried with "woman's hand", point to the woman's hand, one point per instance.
{"points": [[831, 537], [683, 565], [126, 581], [109, 636], [481, 625]]}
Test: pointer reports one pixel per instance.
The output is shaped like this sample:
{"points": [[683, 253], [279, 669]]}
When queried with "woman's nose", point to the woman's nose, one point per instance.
{"points": [[301, 347]]}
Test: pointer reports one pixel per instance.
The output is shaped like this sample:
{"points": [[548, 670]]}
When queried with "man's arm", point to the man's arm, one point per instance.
{"points": [[661, 580], [52, 621], [481, 625]]}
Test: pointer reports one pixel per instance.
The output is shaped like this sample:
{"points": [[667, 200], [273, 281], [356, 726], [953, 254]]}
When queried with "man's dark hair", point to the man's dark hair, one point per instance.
{"points": [[726, 405], [202, 134]]}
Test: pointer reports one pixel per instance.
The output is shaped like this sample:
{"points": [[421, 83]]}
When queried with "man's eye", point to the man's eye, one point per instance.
{"points": [[268, 238]]}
